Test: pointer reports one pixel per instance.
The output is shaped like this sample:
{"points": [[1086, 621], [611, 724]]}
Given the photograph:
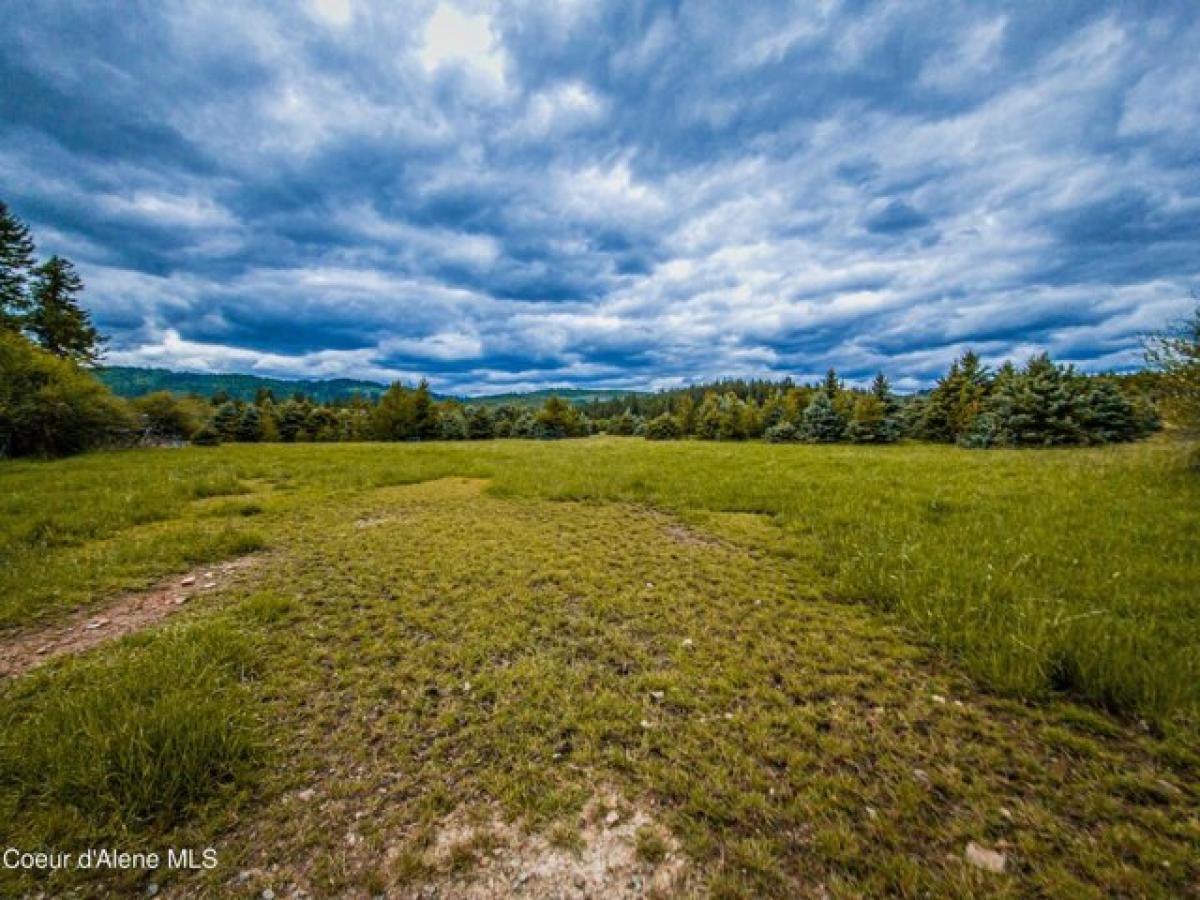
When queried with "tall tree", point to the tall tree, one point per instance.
{"points": [[56, 319], [16, 264], [1176, 354]]}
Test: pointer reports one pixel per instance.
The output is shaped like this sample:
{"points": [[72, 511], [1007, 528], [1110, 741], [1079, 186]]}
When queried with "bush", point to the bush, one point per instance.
{"points": [[783, 433], [207, 436], [167, 417], [662, 428], [51, 407]]}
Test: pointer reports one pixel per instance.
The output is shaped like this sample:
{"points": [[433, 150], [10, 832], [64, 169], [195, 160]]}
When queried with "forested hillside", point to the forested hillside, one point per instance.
{"points": [[131, 381]]}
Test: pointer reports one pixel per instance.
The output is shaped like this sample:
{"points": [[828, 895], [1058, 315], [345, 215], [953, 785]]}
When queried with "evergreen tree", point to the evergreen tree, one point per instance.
{"points": [[227, 420], [557, 419], [16, 264], [821, 423], [832, 385], [869, 421], [56, 319], [958, 398], [393, 418], [1105, 415], [1037, 406], [480, 425], [292, 418], [249, 427], [425, 413]]}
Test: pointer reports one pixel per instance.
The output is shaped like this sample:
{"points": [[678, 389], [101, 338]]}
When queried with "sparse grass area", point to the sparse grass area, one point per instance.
{"points": [[477, 644]]}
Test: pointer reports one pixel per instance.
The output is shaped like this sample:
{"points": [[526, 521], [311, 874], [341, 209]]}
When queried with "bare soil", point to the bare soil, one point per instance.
{"points": [[25, 650]]}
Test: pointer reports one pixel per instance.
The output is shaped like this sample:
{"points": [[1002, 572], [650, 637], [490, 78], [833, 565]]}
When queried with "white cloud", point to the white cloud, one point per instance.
{"points": [[455, 37]]}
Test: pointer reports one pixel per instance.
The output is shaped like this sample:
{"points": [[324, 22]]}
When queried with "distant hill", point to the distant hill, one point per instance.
{"points": [[129, 381], [537, 398]]}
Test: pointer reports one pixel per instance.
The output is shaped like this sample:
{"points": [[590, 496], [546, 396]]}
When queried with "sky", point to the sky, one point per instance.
{"points": [[507, 196]]}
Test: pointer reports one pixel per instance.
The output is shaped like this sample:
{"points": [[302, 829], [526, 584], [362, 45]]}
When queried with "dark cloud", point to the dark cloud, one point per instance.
{"points": [[609, 193]]}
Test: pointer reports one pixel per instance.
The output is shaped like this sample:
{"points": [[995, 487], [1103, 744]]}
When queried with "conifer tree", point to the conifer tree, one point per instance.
{"points": [[1037, 406], [821, 422], [480, 425], [16, 265], [952, 406], [56, 319], [227, 420], [869, 422], [249, 427]]}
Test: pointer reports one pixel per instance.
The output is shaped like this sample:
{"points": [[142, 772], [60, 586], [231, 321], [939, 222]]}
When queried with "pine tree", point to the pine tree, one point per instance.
{"points": [[869, 422], [1038, 406], [480, 425], [227, 420], [425, 413], [249, 427], [1105, 415], [56, 319], [16, 264], [821, 423], [958, 398]]}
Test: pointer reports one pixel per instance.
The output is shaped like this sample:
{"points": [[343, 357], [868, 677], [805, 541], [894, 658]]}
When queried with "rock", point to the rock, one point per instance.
{"points": [[208, 585], [658, 695], [688, 642], [267, 894], [649, 584], [96, 623], [179, 601], [151, 889], [187, 582], [937, 698], [306, 795], [921, 775], [983, 858], [647, 724], [42, 651], [612, 818]]}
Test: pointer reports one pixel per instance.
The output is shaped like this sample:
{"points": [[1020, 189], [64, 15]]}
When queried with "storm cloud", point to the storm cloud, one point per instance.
{"points": [[517, 195]]}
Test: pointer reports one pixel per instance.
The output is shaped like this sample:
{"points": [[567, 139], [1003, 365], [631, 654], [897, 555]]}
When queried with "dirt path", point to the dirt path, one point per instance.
{"points": [[27, 649]]}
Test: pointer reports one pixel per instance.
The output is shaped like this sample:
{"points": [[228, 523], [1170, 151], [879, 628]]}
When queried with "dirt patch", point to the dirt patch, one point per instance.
{"points": [[26, 650], [681, 534], [614, 850]]}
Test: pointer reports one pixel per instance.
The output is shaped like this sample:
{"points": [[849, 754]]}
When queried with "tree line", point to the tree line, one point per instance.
{"points": [[51, 404]]}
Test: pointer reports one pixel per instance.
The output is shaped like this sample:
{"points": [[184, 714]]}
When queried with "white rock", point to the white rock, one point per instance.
{"points": [[189, 581], [267, 894], [306, 795], [938, 698], [983, 858], [658, 695], [688, 642], [612, 818]]}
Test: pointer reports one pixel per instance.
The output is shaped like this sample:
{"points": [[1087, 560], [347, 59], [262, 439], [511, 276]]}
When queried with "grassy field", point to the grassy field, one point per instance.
{"points": [[822, 668]]}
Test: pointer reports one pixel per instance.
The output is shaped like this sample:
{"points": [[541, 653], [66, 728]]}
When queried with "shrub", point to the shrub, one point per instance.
{"points": [[783, 433], [207, 436], [51, 407], [662, 428], [163, 416]]}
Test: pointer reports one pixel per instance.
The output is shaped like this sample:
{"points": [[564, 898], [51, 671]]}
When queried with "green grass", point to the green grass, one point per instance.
{"points": [[765, 673]]}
